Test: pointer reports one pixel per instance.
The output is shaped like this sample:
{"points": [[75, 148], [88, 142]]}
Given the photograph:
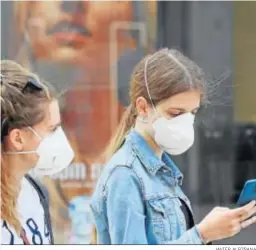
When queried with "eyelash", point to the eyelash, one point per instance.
{"points": [[180, 113], [54, 129], [174, 114]]}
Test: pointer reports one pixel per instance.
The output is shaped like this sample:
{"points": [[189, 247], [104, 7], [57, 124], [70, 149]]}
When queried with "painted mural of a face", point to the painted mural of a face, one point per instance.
{"points": [[61, 33], [73, 31], [60, 37], [78, 32]]}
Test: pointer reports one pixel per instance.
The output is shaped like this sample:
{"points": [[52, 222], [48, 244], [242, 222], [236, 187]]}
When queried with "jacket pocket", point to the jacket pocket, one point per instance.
{"points": [[162, 212]]}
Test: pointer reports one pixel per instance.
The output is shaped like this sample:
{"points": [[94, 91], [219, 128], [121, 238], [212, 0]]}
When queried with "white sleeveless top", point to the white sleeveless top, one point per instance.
{"points": [[31, 216]]}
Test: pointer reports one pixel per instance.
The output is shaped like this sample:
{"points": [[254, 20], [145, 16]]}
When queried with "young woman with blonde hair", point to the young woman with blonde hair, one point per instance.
{"points": [[32, 140]]}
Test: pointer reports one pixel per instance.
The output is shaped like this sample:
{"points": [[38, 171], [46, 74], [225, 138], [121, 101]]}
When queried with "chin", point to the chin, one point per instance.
{"points": [[67, 55]]}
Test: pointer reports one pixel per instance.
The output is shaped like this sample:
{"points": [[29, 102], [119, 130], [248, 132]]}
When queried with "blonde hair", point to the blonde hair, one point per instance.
{"points": [[20, 107], [168, 72]]}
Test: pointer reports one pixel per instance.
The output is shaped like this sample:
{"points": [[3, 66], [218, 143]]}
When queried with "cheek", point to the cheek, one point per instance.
{"points": [[31, 144], [31, 160], [152, 116], [100, 15], [44, 15], [148, 125]]}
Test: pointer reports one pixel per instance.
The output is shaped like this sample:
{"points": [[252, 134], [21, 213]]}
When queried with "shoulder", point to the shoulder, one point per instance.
{"points": [[28, 190], [124, 181], [124, 156], [122, 175], [38, 186], [29, 199], [121, 167], [120, 172]]}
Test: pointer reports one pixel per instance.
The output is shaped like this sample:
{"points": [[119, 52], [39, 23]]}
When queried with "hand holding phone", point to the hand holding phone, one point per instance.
{"points": [[222, 222]]}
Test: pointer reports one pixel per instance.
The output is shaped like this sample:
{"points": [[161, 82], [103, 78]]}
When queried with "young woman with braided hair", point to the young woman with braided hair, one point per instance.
{"points": [[32, 141]]}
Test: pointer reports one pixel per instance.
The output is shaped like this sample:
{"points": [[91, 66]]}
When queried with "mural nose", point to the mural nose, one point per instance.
{"points": [[73, 7]]}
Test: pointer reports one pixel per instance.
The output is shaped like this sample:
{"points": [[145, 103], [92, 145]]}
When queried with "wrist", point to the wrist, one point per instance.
{"points": [[203, 234]]}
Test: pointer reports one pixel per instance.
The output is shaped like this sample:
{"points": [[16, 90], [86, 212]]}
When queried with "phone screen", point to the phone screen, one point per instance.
{"points": [[248, 193]]}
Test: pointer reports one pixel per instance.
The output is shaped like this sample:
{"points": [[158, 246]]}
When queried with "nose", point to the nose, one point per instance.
{"points": [[73, 7]]}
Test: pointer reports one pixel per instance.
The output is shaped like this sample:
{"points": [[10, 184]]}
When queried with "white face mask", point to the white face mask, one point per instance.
{"points": [[54, 151], [174, 136]]}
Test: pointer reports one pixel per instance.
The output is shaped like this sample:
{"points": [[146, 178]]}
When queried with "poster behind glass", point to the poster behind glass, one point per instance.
{"points": [[87, 49]]}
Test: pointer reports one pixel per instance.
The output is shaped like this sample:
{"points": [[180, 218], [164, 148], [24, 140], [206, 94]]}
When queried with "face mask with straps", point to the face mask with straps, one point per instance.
{"points": [[176, 135], [54, 151]]}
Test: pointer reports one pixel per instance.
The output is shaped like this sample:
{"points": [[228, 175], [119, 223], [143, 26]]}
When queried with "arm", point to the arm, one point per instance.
{"points": [[125, 208], [125, 211], [190, 237]]}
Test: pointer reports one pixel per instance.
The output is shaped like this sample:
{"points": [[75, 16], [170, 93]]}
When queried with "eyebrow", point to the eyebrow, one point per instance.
{"points": [[195, 109], [55, 125]]}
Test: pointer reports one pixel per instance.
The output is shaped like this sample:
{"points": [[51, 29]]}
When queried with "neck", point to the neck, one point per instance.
{"points": [[16, 168], [149, 139]]}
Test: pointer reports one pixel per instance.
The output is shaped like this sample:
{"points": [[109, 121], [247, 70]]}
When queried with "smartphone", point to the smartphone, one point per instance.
{"points": [[248, 193]]}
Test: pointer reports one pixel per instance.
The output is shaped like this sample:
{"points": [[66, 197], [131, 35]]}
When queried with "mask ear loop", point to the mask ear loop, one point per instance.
{"points": [[30, 128], [25, 152], [146, 83]]}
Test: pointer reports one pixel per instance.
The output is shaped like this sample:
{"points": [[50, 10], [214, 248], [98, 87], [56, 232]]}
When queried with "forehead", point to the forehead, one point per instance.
{"points": [[186, 100], [87, 5], [52, 115]]}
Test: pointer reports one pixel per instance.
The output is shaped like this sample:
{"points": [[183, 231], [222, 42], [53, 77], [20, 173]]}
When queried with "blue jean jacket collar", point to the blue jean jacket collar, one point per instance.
{"points": [[149, 159]]}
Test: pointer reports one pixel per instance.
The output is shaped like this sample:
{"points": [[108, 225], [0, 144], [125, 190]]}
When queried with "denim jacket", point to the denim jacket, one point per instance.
{"points": [[137, 199]]}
